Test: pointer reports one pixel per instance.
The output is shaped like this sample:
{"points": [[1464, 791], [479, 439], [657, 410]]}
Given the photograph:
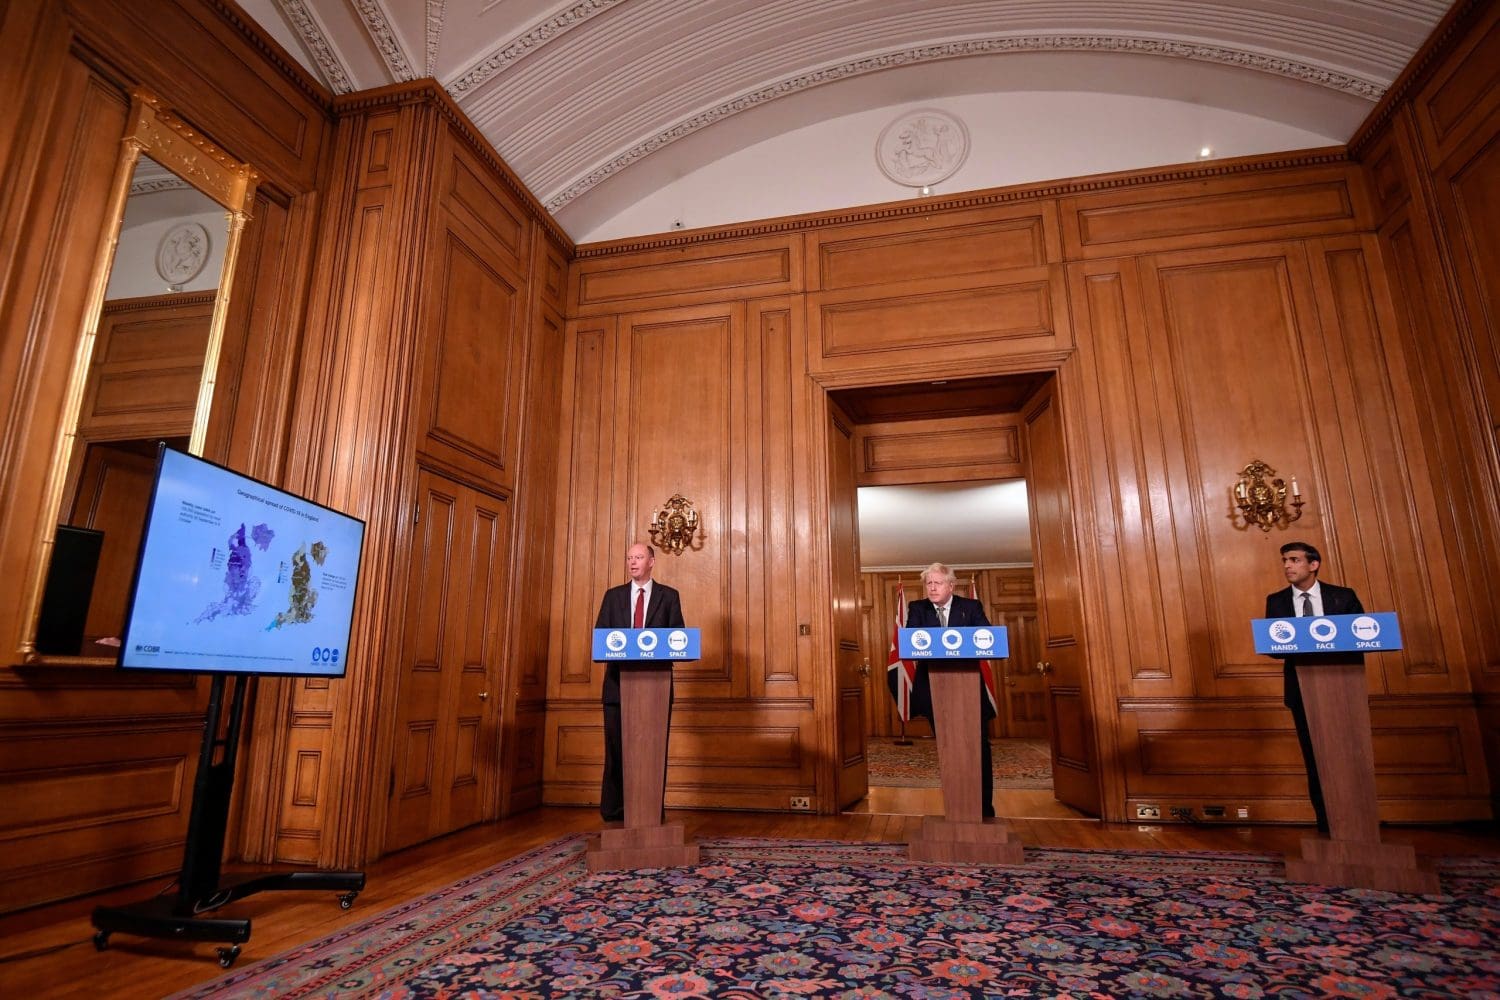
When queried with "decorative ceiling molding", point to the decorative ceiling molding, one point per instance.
{"points": [[1303, 72], [963, 202], [436, 11], [153, 185], [315, 39], [378, 24], [524, 44]]}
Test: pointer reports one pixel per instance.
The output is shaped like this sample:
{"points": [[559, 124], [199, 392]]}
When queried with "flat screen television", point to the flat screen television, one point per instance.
{"points": [[236, 576]]}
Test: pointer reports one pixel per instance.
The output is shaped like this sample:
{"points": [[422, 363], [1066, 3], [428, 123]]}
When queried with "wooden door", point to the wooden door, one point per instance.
{"points": [[1064, 661], [114, 492], [447, 740], [852, 779], [1023, 691]]}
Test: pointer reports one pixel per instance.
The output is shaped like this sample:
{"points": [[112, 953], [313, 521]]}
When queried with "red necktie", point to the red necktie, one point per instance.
{"points": [[640, 609]]}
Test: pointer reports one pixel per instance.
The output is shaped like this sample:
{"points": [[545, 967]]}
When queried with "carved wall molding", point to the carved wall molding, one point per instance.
{"points": [[436, 14], [1197, 51]]}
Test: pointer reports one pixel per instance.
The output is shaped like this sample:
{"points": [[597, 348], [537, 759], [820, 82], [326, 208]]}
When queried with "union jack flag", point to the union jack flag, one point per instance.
{"points": [[986, 668], [900, 674]]}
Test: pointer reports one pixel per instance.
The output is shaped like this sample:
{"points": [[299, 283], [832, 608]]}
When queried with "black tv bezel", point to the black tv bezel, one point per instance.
{"points": [[135, 578]]}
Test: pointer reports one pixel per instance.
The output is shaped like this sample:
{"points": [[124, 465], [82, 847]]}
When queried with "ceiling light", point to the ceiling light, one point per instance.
{"points": [[1205, 152]]}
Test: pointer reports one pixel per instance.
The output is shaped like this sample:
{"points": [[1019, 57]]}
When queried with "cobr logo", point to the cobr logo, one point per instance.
{"points": [[1322, 629], [615, 641], [1283, 631], [646, 641], [677, 640], [1365, 627], [984, 639], [952, 640], [921, 641]]}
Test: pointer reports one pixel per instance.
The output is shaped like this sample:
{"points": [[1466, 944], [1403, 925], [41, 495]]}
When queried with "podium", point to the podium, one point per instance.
{"points": [[961, 833], [1337, 703], [1338, 719], [645, 710]]}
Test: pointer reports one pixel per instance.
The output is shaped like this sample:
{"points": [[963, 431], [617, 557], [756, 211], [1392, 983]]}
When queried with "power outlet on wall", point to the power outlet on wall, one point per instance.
{"points": [[801, 803], [1148, 812]]}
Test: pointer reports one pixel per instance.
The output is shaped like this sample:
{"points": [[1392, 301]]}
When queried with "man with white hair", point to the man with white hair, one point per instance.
{"points": [[939, 609]]}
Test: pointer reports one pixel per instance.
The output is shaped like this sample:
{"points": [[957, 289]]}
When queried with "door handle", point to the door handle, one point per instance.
{"points": [[484, 696], [1043, 667], [864, 668]]}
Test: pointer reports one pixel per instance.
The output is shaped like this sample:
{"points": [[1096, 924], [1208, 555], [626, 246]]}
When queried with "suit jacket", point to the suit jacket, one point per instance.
{"points": [[663, 610], [964, 612], [1336, 601]]}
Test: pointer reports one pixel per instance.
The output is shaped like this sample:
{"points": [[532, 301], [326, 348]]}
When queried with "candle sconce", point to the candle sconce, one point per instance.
{"points": [[673, 525], [1265, 504]]}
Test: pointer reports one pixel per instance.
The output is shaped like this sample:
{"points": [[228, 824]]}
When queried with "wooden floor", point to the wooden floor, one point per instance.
{"points": [[64, 963]]}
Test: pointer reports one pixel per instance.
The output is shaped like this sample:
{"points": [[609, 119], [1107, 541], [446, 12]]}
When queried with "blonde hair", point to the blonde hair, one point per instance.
{"points": [[942, 571]]}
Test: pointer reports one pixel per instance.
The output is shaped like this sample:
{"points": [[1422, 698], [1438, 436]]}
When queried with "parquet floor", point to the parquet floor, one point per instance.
{"points": [[64, 963]]}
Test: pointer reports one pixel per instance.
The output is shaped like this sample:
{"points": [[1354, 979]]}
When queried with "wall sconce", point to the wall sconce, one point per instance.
{"points": [[1262, 503], [673, 526]]}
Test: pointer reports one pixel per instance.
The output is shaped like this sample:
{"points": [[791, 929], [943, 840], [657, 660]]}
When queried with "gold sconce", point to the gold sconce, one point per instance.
{"points": [[673, 526], [1265, 504]]}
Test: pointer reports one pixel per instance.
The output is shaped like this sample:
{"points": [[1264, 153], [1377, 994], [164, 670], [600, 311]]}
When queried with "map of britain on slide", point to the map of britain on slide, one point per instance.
{"points": [[239, 576]]}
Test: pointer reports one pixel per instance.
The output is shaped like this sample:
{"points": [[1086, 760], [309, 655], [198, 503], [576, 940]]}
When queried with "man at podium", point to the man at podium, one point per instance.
{"points": [[940, 609], [1307, 597], [641, 603]]}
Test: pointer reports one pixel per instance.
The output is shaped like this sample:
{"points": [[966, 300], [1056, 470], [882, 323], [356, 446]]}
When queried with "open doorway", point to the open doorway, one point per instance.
{"points": [[940, 475]]}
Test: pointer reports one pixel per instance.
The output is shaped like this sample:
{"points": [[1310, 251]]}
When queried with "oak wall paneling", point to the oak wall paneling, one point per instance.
{"points": [[118, 752]]}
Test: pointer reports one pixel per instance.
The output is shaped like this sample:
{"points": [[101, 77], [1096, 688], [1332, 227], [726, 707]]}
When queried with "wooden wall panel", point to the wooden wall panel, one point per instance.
{"points": [[976, 242], [910, 322], [686, 275], [1306, 201], [938, 450]]}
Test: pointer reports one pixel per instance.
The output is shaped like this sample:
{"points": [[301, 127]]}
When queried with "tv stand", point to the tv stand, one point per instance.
{"points": [[186, 915]]}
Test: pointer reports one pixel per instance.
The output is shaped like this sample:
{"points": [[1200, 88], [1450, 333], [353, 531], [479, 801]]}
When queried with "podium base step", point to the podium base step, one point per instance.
{"points": [[1361, 865], [640, 847], [943, 841]]}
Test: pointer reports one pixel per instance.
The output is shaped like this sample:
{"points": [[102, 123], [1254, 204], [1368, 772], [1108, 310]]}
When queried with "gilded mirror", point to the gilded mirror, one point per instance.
{"points": [[143, 373]]}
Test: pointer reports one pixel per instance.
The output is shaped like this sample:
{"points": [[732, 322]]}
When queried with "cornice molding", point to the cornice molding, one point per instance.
{"points": [[1445, 38], [165, 300], [968, 200], [916, 55], [156, 185], [429, 91], [290, 69], [387, 42], [305, 23], [519, 47], [436, 18]]}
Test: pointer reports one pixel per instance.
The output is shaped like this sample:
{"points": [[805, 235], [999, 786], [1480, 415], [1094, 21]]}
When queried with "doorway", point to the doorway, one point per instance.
{"points": [[943, 472]]}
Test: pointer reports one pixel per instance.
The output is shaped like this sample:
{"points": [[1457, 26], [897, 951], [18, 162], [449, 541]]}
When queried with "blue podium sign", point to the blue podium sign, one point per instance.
{"points": [[1370, 632], [646, 644], [987, 642]]}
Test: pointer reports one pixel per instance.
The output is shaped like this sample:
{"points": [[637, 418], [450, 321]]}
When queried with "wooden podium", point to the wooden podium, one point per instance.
{"points": [[962, 833], [645, 841], [1338, 719]]}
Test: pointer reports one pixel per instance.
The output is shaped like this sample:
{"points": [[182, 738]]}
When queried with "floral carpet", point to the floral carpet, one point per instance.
{"points": [[1018, 763], [765, 918]]}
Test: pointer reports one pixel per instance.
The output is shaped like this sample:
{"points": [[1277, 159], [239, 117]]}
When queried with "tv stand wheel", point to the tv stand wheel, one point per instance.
{"points": [[101, 940], [228, 955], [346, 900]]}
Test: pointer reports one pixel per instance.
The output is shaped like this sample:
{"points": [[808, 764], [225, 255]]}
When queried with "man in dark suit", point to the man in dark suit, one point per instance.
{"points": [[940, 609], [1308, 597], [641, 603]]}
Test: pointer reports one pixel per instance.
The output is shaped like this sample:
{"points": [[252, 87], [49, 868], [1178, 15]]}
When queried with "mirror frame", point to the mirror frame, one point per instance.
{"points": [[152, 130]]}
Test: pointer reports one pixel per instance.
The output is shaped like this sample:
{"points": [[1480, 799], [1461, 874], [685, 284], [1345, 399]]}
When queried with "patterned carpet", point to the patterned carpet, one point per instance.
{"points": [[763, 918], [1018, 763]]}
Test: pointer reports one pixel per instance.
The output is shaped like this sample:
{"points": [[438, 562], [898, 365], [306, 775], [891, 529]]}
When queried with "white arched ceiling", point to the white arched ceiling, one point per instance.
{"points": [[599, 104]]}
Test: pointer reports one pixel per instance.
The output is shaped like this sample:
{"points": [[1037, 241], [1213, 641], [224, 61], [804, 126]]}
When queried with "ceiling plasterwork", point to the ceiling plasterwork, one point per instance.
{"points": [[1302, 72], [523, 45], [378, 24], [326, 62]]}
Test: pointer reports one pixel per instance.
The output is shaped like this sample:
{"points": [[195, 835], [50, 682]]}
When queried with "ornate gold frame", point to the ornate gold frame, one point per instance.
{"points": [[167, 139]]}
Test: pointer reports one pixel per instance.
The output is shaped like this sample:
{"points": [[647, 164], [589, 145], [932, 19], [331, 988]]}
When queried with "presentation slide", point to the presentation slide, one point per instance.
{"points": [[240, 577]]}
